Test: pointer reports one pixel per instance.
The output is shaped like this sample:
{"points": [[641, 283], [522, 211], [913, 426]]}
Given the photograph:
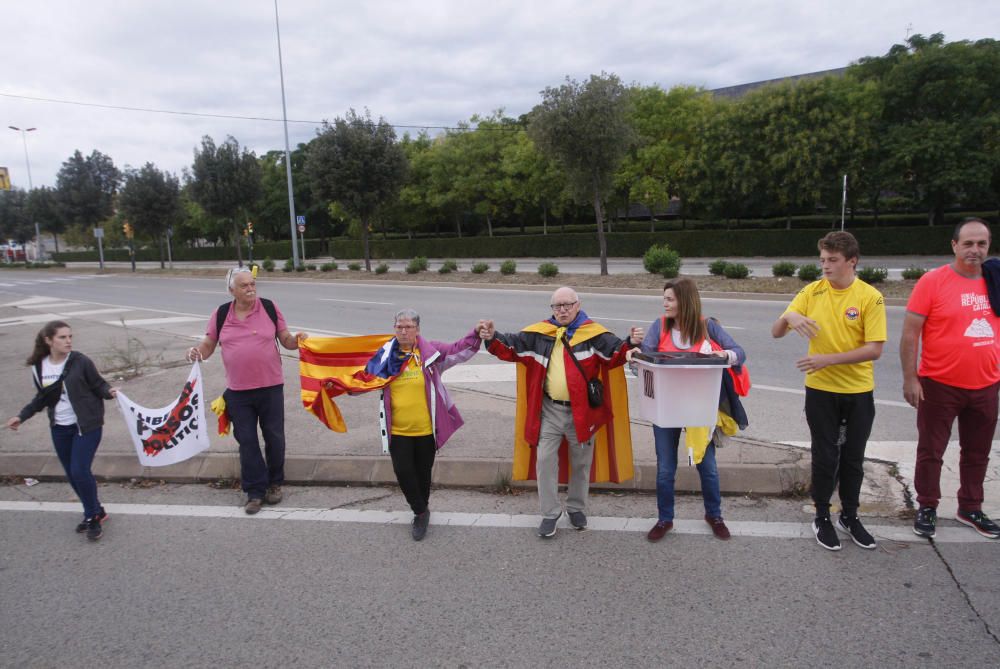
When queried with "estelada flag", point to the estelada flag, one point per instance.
{"points": [[339, 361], [612, 442]]}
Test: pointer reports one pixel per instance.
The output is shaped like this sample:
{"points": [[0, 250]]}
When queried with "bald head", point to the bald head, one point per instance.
{"points": [[565, 305]]}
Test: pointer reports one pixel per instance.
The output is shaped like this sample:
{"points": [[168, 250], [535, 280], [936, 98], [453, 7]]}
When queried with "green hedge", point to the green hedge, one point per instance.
{"points": [[922, 240], [277, 250]]}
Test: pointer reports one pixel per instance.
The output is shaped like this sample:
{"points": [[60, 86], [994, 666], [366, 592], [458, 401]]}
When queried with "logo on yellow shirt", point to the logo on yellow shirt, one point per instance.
{"points": [[852, 313]]}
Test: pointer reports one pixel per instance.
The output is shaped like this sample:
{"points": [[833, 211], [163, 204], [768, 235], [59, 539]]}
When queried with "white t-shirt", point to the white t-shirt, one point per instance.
{"points": [[64, 414]]}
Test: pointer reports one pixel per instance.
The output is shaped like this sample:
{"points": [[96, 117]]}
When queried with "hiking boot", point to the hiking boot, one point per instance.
{"points": [[253, 505], [980, 522], [660, 530], [101, 516], [826, 536], [719, 528], [851, 525], [94, 530], [925, 522], [420, 522], [548, 527], [578, 519], [273, 495]]}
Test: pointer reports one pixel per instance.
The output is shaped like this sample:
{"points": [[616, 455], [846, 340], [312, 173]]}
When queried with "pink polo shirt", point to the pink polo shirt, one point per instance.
{"points": [[249, 351]]}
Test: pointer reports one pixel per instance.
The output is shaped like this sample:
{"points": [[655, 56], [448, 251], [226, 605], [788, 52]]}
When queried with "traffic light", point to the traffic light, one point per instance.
{"points": [[127, 228], [250, 227]]}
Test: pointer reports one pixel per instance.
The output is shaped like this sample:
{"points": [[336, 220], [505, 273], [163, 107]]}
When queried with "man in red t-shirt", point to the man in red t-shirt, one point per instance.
{"points": [[949, 313]]}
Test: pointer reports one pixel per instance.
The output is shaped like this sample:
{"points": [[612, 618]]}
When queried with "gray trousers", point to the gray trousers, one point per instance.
{"points": [[557, 422]]}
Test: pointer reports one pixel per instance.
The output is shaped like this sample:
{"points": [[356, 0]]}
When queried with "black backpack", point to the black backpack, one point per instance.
{"points": [[223, 311]]}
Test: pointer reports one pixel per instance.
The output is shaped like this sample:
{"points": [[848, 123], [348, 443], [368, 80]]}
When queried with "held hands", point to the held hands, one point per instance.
{"points": [[805, 327], [486, 329]]}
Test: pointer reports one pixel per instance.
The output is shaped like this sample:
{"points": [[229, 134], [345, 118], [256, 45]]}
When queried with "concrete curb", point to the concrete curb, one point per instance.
{"points": [[764, 479]]}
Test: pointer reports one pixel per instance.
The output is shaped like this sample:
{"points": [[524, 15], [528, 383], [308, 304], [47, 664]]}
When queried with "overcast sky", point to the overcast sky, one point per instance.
{"points": [[427, 63]]}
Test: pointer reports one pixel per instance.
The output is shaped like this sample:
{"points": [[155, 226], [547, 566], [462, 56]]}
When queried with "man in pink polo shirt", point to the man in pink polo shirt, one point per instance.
{"points": [[950, 317], [254, 383]]}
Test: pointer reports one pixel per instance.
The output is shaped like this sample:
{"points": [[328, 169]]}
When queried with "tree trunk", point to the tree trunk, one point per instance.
{"points": [[489, 225], [788, 222], [364, 244], [239, 247], [602, 243], [458, 225], [55, 238], [163, 254], [545, 220]]}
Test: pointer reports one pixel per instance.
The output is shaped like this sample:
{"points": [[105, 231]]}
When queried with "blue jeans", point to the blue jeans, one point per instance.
{"points": [[76, 453], [666, 440], [247, 408]]}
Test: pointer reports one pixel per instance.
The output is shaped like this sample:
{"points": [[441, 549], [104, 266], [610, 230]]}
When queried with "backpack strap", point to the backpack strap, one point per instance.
{"points": [[223, 311]]}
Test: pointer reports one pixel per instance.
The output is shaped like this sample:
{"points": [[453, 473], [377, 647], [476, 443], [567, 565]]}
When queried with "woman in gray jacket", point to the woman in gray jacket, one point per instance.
{"points": [[72, 391]]}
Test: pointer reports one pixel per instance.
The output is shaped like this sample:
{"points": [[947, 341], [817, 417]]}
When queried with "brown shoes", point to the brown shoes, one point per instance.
{"points": [[273, 495], [660, 530], [252, 506], [719, 528]]}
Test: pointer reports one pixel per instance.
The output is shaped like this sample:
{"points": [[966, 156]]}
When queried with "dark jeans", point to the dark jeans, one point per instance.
{"points": [[666, 440], [412, 460], [76, 453], [976, 411], [247, 408], [840, 424]]}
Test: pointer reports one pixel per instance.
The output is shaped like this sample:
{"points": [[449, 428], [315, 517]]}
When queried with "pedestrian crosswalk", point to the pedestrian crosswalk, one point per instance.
{"points": [[7, 282]]}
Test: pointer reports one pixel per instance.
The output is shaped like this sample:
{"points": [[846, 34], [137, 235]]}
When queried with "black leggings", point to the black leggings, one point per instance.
{"points": [[412, 460]]}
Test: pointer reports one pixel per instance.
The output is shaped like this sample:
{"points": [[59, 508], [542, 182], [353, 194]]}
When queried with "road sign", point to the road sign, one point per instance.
{"points": [[99, 233], [5, 181], [301, 222], [302, 228]]}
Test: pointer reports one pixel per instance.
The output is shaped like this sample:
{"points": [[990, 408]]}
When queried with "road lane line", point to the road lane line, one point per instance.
{"points": [[800, 391], [330, 299], [756, 529]]}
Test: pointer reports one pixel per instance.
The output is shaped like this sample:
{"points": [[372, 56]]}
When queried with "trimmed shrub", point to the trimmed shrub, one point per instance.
{"points": [[548, 269], [873, 274], [288, 266], [809, 272], [737, 270], [381, 268], [783, 268], [268, 264], [303, 267], [718, 267], [913, 273], [508, 267], [418, 264], [479, 268], [447, 267], [661, 259], [356, 267], [328, 267]]}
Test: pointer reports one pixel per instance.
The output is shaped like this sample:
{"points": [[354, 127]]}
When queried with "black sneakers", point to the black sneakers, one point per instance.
{"points": [[826, 536], [925, 522], [102, 515], [94, 530], [980, 522], [420, 523], [851, 526], [578, 519]]}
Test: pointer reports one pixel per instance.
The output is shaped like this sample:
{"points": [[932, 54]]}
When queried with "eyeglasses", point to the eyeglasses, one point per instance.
{"points": [[562, 305], [404, 328]]}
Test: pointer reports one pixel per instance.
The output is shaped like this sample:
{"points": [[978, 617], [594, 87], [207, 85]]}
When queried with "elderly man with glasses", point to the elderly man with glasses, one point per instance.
{"points": [[557, 422], [247, 329]]}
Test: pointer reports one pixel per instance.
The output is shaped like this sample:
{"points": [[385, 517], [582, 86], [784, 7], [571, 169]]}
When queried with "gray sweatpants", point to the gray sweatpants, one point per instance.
{"points": [[557, 422]]}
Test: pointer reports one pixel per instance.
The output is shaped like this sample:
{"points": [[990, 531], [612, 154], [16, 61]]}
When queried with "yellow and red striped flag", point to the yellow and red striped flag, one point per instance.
{"points": [[339, 362]]}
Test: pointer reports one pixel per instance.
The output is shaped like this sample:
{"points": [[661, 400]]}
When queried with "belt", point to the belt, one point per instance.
{"points": [[559, 402]]}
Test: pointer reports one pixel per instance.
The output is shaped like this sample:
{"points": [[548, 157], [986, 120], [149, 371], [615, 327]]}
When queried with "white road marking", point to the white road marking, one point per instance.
{"points": [[92, 312], [330, 299], [481, 373], [207, 292], [738, 528], [801, 391], [55, 305], [31, 318], [156, 321], [34, 300]]}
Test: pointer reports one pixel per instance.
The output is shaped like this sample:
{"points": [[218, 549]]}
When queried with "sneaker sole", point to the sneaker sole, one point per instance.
{"points": [[829, 548], [553, 532], [969, 523], [921, 533], [844, 530], [81, 530]]}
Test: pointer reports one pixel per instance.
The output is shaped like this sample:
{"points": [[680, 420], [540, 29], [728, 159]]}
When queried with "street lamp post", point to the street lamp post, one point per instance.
{"points": [[288, 153], [27, 163]]}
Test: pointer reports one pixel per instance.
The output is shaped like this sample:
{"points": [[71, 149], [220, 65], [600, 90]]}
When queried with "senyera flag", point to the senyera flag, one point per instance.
{"points": [[332, 366], [172, 434]]}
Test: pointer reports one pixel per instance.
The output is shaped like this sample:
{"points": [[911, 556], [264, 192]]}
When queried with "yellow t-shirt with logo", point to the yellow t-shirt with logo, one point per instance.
{"points": [[847, 319], [555, 376], [410, 415]]}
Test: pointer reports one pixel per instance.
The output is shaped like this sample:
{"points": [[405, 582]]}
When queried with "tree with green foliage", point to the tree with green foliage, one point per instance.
{"points": [[531, 182], [86, 188], [151, 201], [357, 162], [939, 118], [43, 208], [585, 128], [412, 211], [15, 219], [226, 182]]}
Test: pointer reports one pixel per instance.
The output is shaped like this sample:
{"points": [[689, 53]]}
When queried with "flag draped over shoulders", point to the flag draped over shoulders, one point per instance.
{"points": [[612, 442], [340, 362]]}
